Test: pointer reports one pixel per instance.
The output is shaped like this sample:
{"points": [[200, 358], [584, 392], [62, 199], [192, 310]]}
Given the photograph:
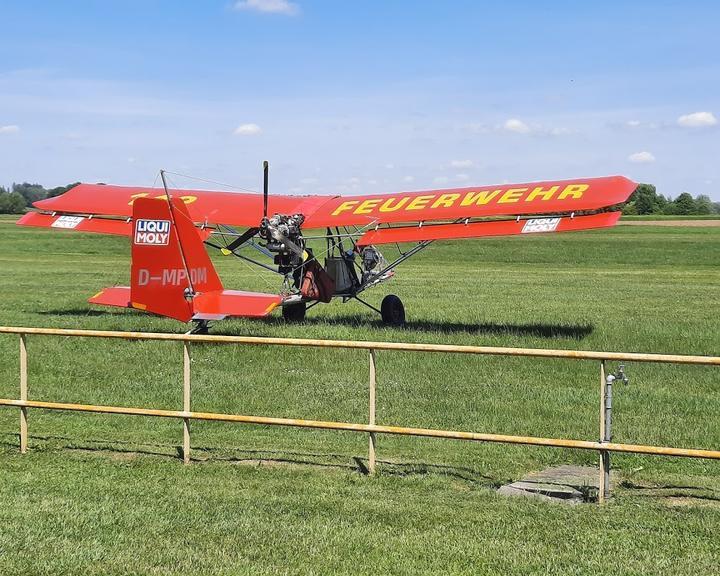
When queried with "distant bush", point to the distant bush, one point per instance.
{"points": [[11, 202]]}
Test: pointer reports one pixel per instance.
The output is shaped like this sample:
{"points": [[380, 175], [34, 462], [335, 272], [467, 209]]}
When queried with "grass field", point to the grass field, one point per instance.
{"points": [[656, 217], [108, 495]]}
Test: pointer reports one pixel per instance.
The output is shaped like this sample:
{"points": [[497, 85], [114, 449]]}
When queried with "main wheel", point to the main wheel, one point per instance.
{"points": [[392, 310], [294, 312]]}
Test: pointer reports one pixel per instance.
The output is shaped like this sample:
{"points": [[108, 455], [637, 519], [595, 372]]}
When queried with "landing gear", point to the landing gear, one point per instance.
{"points": [[294, 312], [392, 311], [201, 327]]}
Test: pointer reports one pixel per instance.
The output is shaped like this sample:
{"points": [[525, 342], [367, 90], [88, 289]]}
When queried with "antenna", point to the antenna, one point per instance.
{"points": [[265, 189]]}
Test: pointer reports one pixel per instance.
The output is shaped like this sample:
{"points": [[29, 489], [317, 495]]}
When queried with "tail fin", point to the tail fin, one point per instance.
{"points": [[169, 262]]}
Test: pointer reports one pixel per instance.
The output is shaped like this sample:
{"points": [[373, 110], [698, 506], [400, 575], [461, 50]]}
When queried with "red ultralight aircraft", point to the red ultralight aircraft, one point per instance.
{"points": [[172, 274]]}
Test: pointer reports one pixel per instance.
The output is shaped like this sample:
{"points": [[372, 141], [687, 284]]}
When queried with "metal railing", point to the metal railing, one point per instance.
{"points": [[604, 446]]}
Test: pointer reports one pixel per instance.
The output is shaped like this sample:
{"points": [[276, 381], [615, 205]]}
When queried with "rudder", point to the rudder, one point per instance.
{"points": [[169, 262]]}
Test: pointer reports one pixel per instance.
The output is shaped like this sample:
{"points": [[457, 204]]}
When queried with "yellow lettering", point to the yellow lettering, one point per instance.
{"points": [[388, 204], [367, 206], [479, 198], [419, 202], [511, 195], [136, 196], [544, 194], [186, 199], [574, 190], [445, 200], [345, 206]]}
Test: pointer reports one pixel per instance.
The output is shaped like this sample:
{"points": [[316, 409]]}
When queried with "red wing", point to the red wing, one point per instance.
{"points": [[556, 197], [205, 206], [107, 209]]}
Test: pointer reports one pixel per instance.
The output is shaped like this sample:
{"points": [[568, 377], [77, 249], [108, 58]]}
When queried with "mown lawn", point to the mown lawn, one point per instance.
{"points": [[107, 494]]}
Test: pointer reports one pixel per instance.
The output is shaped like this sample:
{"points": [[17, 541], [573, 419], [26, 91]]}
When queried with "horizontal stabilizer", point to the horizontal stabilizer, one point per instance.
{"points": [[116, 296], [221, 304]]}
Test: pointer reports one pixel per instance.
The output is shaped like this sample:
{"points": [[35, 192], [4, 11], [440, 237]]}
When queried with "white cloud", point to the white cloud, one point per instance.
{"points": [[441, 180], [516, 125], [247, 130], [632, 123], [461, 163], [697, 120], [409, 179], [11, 129], [268, 6], [642, 157], [462, 177]]}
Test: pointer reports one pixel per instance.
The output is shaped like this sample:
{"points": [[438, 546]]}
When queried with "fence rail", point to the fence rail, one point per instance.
{"points": [[604, 446]]}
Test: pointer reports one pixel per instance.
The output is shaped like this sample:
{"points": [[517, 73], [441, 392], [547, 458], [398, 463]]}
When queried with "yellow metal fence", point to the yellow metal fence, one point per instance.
{"points": [[604, 446]]}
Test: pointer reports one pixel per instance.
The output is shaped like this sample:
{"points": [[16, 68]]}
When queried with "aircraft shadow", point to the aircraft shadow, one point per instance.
{"points": [[540, 330], [250, 457], [88, 312], [573, 331]]}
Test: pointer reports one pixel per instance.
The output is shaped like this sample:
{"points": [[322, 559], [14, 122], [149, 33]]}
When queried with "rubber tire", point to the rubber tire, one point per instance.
{"points": [[392, 311], [294, 312]]}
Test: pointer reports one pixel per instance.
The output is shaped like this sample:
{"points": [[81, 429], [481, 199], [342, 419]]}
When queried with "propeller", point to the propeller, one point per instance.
{"points": [[265, 189], [251, 232]]}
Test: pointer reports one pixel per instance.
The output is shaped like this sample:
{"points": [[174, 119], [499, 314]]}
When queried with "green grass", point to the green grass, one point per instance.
{"points": [[651, 217], [107, 494]]}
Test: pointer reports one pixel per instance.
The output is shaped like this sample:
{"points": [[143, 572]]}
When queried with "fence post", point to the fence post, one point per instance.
{"points": [[604, 484], [23, 394], [371, 443], [186, 402]]}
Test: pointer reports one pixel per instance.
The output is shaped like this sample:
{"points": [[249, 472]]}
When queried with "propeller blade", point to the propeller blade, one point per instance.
{"points": [[240, 240], [265, 189]]}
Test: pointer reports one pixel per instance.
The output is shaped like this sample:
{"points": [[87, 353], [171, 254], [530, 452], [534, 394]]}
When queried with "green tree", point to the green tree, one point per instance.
{"points": [[684, 204], [11, 203], [646, 199], [703, 205], [60, 190], [31, 192]]}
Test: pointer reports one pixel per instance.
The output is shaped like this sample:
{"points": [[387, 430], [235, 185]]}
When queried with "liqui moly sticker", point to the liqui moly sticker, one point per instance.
{"points": [[540, 225], [68, 222], [152, 232]]}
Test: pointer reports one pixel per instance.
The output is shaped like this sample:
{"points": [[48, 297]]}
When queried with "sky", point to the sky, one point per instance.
{"points": [[347, 97]]}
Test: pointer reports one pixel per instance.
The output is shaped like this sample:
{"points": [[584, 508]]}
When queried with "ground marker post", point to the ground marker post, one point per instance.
{"points": [[371, 443], [186, 402], [604, 484], [23, 394]]}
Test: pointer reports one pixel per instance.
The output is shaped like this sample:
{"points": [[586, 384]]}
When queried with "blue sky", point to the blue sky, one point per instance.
{"points": [[360, 97]]}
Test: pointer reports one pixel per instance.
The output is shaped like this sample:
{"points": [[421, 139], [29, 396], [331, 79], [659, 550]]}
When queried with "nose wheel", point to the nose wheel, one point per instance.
{"points": [[392, 311]]}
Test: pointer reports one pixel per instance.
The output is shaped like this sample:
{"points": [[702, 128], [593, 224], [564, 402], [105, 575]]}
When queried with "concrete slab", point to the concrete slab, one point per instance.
{"points": [[568, 484]]}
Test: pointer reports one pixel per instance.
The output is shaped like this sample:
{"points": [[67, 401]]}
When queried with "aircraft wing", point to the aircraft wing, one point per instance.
{"points": [[554, 197], [108, 209]]}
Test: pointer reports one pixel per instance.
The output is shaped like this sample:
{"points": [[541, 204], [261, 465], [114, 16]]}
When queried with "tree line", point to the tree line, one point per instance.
{"points": [[645, 200], [21, 196]]}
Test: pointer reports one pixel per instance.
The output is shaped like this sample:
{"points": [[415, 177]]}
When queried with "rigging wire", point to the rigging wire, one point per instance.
{"points": [[208, 181]]}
